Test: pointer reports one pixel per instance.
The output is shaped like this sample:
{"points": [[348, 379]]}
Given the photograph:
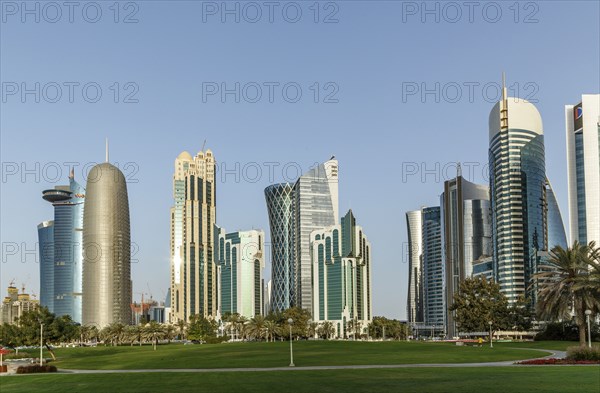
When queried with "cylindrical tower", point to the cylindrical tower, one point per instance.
{"points": [[107, 248]]}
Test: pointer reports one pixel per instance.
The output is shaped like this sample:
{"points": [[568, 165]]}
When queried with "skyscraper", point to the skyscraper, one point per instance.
{"points": [[316, 198], [240, 262], [193, 271], [281, 207], [65, 270], [294, 212], [107, 248], [583, 168], [466, 235], [341, 276], [433, 267], [415, 272], [46, 240], [518, 187]]}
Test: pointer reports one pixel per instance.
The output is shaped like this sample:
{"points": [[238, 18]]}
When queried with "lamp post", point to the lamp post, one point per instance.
{"points": [[587, 315], [491, 343], [290, 321], [41, 341]]}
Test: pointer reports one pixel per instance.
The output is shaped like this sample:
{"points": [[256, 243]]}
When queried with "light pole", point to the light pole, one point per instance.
{"points": [[491, 343], [290, 321], [587, 315], [41, 341]]}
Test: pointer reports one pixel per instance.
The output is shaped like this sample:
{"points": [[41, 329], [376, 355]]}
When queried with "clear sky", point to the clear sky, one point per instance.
{"points": [[368, 67]]}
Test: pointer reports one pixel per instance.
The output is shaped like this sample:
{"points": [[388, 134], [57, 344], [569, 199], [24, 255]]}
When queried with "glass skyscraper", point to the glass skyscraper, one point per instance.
{"points": [[46, 241], [341, 276], [583, 168], [66, 250], [281, 208], [433, 267], [240, 262], [193, 269], [414, 307], [466, 235], [294, 212]]}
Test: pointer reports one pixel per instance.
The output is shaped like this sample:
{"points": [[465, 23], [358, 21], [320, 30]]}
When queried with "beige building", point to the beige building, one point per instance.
{"points": [[15, 304], [193, 215]]}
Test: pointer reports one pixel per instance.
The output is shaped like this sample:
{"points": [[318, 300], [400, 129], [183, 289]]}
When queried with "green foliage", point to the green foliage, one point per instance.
{"points": [[394, 329], [477, 302], [26, 331], [565, 331], [201, 328], [36, 368], [583, 353]]}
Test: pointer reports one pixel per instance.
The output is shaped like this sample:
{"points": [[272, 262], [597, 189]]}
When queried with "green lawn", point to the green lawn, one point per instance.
{"points": [[464, 380], [306, 353]]}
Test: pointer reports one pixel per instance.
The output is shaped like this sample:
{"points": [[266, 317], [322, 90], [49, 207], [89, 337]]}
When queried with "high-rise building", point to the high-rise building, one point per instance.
{"points": [[316, 198], [280, 206], [341, 276], [107, 248], [240, 262], [15, 304], [66, 249], [415, 263], [294, 212], [466, 236], [46, 240], [521, 206], [193, 270], [433, 267], [583, 161]]}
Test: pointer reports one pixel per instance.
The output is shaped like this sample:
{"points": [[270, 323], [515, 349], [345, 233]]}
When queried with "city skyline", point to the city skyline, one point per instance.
{"points": [[378, 135]]}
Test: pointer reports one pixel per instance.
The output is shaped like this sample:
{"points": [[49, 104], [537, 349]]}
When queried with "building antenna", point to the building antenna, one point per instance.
{"points": [[106, 149], [504, 95], [458, 170], [203, 145]]}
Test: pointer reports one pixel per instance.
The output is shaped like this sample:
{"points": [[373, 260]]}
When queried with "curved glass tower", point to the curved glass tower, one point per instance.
{"points": [[67, 248], [107, 248], [280, 206], [433, 269], [517, 185]]}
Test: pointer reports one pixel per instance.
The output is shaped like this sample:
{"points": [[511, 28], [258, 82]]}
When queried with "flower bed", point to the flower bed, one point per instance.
{"points": [[36, 368], [550, 361]]}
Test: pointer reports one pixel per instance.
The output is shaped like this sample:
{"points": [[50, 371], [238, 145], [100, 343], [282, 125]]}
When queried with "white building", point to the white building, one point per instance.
{"points": [[583, 161]]}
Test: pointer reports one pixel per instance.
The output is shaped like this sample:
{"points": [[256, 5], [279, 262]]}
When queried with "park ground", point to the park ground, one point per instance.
{"points": [[410, 378]]}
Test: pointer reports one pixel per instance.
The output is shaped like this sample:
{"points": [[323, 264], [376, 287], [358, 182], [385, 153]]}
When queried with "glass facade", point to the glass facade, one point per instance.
{"points": [[415, 279], [433, 267], [46, 241], [281, 205], [557, 235], [68, 202], [580, 180]]}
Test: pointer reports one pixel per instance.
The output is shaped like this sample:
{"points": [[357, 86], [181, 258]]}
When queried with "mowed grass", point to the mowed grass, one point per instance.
{"points": [[478, 379], [306, 353]]}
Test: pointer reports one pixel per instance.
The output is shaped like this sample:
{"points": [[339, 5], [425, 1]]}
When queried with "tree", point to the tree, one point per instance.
{"points": [[392, 328], [570, 284], [170, 332], [256, 327], [271, 329], [153, 331], [478, 302], [326, 330], [300, 319], [200, 328], [181, 327]]}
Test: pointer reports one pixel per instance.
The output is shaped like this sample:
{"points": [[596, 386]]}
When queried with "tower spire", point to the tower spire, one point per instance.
{"points": [[504, 95], [106, 149]]}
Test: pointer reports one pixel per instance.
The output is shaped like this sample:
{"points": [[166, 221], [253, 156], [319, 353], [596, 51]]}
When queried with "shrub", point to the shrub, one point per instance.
{"points": [[36, 368], [583, 353]]}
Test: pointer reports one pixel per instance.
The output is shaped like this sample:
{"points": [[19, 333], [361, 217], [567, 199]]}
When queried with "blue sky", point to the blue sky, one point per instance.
{"points": [[370, 61]]}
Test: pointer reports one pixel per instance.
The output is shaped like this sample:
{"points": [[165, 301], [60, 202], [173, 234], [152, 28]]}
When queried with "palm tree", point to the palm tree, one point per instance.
{"points": [[271, 329], [312, 329], [154, 331], [256, 327], [181, 327], [327, 329], [242, 327], [170, 332], [567, 286]]}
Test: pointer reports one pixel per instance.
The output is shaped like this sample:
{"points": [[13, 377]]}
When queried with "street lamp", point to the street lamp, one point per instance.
{"points": [[587, 315], [42, 341], [491, 344], [290, 321]]}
